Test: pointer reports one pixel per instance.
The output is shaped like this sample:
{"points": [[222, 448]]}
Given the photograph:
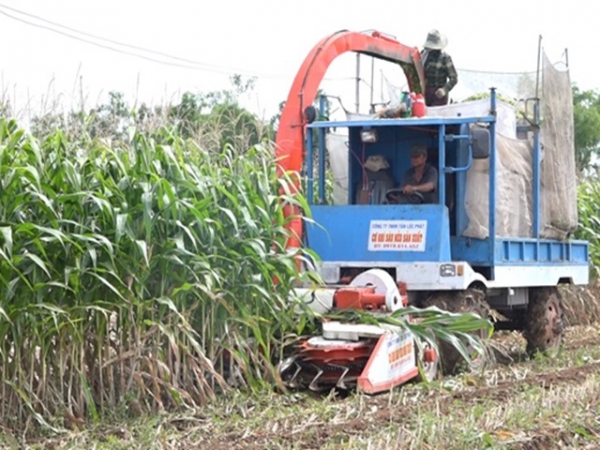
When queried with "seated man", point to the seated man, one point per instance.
{"points": [[419, 184]]}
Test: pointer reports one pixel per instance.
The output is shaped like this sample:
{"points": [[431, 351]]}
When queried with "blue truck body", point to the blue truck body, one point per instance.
{"points": [[423, 243]]}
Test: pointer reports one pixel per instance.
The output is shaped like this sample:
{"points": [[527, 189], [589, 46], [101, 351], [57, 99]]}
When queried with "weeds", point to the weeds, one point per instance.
{"points": [[534, 404], [582, 303]]}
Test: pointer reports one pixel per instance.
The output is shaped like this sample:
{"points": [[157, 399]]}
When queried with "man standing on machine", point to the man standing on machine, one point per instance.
{"points": [[440, 74]]}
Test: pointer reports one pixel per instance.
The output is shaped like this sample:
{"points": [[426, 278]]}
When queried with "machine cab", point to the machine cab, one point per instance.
{"points": [[358, 223], [484, 219]]}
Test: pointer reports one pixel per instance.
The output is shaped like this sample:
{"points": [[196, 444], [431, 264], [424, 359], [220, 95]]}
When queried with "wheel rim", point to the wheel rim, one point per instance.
{"points": [[544, 323], [429, 368], [552, 331]]}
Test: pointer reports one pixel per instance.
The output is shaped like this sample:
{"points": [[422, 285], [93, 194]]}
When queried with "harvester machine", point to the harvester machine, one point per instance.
{"points": [[494, 237], [372, 358]]}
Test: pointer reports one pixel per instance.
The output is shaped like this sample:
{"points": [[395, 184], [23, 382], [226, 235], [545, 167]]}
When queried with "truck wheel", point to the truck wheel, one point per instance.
{"points": [[544, 321], [469, 301]]}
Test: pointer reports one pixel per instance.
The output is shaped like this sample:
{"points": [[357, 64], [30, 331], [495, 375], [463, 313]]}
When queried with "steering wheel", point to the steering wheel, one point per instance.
{"points": [[392, 194]]}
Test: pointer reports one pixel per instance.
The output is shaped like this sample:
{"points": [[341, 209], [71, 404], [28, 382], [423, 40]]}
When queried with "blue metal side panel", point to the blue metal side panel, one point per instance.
{"points": [[353, 233], [520, 251], [533, 251], [474, 251]]}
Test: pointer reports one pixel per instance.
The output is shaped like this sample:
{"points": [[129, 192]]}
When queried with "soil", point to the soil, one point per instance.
{"points": [[381, 410], [311, 421]]}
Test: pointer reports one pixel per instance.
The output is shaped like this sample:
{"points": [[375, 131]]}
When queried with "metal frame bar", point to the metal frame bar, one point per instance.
{"points": [[434, 121], [321, 166], [309, 166], [442, 165], [536, 171], [492, 183]]}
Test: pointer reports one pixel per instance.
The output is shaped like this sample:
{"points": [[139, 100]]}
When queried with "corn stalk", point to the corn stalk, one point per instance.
{"points": [[141, 276]]}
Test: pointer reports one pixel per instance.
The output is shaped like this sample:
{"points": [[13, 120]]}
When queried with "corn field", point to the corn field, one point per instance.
{"points": [[589, 219], [583, 303], [150, 273], [141, 276]]}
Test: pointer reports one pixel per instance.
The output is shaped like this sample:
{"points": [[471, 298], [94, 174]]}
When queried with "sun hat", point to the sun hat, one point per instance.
{"points": [[435, 40]]}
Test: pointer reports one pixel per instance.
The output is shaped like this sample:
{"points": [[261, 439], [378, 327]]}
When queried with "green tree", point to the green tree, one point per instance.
{"points": [[216, 118], [107, 120], [586, 116], [213, 119]]}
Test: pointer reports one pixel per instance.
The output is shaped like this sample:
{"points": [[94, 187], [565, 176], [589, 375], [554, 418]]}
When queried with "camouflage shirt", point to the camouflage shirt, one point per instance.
{"points": [[440, 71]]}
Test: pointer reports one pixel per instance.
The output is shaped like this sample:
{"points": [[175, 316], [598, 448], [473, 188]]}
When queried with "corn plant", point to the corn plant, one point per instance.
{"points": [[149, 276], [589, 220], [142, 274], [432, 326]]}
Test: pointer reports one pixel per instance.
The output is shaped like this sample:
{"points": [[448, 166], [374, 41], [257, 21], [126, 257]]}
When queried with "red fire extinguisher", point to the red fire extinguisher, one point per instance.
{"points": [[418, 105]]}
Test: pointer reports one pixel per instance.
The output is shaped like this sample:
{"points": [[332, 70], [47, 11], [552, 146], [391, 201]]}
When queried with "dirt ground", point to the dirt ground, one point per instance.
{"points": [[502, 385], [513, 402]]}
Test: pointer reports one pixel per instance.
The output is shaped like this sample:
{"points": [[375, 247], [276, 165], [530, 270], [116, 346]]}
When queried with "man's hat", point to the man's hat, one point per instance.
{"points": [[418, 150], [435, 40]]}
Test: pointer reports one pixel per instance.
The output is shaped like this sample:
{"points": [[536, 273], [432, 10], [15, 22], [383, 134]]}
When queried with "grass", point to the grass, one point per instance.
{"points": [[538, 403], [589, 220], [582, 304]]}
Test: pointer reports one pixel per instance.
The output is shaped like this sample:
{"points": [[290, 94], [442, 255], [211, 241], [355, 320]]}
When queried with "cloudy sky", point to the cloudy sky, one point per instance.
{"points": [[197, 45]]}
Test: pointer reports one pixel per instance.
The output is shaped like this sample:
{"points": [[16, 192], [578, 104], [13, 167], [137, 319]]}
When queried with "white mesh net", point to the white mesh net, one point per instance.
{"points": [[559, 175], [337, 148], [514, 175], [512, 87]]}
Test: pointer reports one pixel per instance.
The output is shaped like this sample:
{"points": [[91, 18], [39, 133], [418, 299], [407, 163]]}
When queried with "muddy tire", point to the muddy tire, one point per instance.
{"points": [[469, 301], [544, 321]]}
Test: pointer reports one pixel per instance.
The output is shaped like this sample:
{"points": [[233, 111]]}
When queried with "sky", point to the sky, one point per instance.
{"points": [[41, 69]]}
